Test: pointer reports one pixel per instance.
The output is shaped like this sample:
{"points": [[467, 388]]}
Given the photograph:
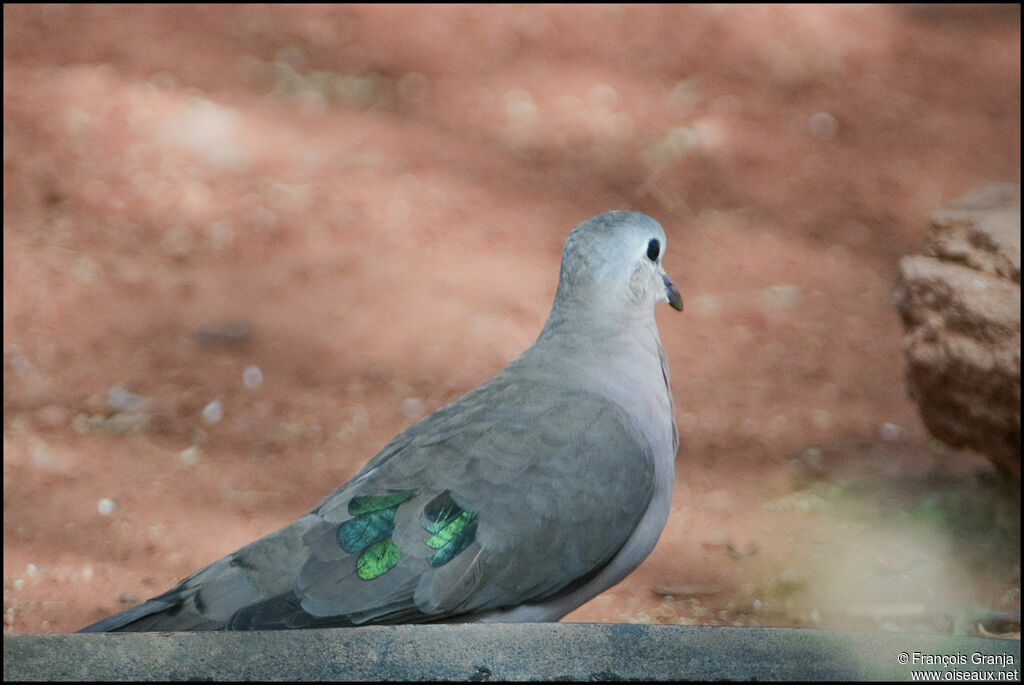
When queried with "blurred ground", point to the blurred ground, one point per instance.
{"points": [[367, 204]]}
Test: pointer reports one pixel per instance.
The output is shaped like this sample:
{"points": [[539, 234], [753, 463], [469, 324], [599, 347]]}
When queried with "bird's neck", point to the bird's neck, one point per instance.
{"points": [[583, 341], [609, 318]]}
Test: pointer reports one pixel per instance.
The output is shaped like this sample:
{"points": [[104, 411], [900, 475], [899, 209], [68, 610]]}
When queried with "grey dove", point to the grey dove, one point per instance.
{"points": [[519, 501]]}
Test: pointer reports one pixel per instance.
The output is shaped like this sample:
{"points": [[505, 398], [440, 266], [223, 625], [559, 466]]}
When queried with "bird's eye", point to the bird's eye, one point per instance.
{"points": [[653, 249]]}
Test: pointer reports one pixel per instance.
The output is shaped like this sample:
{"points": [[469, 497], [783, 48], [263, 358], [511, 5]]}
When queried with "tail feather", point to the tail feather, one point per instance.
{"points": [[168, 612]]}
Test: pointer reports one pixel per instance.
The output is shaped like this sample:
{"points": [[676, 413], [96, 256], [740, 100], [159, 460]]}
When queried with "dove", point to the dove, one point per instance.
{"points": [[517, 502]]}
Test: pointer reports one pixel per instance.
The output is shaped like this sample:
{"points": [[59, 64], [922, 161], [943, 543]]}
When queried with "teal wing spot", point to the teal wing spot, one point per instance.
{"points": [[359, 533], [369, 532], [453, 528], [378, 559]]}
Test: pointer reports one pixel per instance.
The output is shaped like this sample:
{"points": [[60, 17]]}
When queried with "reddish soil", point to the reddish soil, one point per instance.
{"points": [[377, 197]]}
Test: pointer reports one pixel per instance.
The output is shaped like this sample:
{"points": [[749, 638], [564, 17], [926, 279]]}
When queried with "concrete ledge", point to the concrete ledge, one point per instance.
{"points": [[480, 652]]}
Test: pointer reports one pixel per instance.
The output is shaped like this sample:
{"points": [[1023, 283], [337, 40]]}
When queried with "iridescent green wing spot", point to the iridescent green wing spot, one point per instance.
{"points": [[453, 528], [371, 503], [378, 559], [369, 532]]}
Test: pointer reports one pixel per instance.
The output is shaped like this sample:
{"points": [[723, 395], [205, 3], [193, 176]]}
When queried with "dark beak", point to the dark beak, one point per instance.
{"points": [[675, 300]]}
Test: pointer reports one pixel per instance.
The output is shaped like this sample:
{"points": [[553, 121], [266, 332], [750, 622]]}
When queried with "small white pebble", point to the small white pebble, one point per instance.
{"points": [[189, 456], [519, 107], [106, 506], [252, 377], [213, 412], [890, 432], [87, 573], [120, 400], [32, 571], [412, 407], [118, 397], [823, 125], [19, 583], [782, 296]]}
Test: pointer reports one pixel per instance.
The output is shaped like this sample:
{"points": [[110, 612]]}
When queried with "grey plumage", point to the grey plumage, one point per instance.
{"points": [[519, 501]]}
